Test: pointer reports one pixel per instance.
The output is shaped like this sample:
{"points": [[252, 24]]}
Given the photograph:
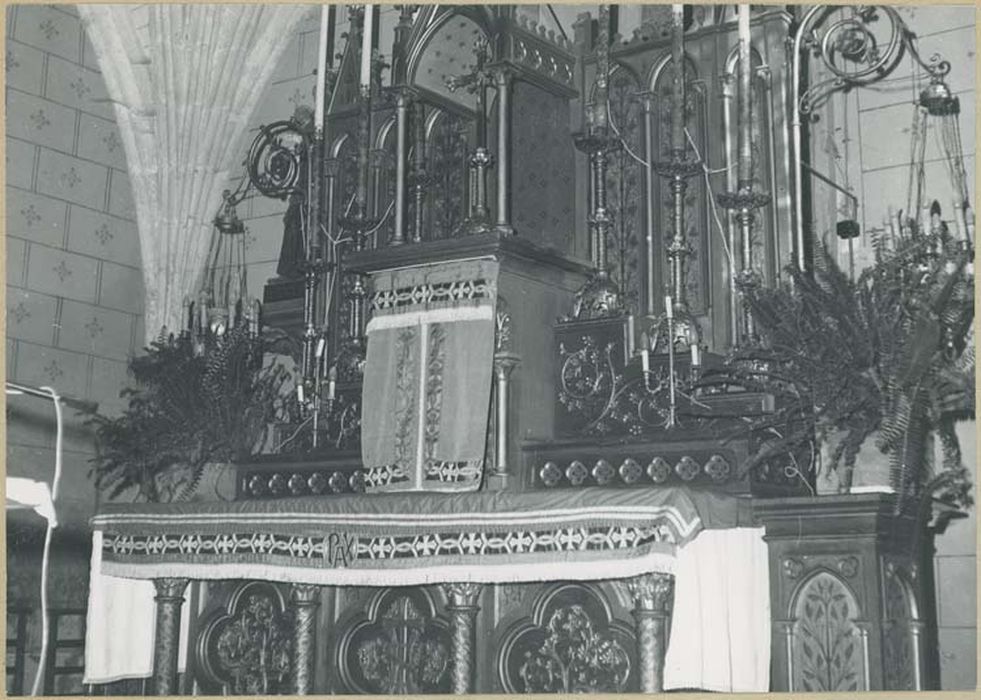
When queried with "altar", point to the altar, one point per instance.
{"points": [[515, 456]]}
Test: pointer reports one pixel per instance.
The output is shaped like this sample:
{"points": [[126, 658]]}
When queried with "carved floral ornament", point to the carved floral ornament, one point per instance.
{"points": [[571, 644], [246, 650]]}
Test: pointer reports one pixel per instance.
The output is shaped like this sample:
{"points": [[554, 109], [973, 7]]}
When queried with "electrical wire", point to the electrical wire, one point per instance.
{"points": [[46, 556], [711, 199]]}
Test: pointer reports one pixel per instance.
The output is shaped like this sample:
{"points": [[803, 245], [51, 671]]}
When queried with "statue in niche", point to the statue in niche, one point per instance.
{"points": [[292, 253]]}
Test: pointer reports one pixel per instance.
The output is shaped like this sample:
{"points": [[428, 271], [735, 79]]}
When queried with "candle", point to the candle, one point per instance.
{"points": [[299, 392], [331, 383], [645, 361], [203, 311], [668, 308], [318, 112], [677, 59], [369, 25], [321, 344], [696, 355], [959, 219], [630, 335], [256, 318], [745, 102]]}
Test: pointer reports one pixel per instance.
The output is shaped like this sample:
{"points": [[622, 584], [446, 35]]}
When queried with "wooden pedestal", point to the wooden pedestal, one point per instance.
{"points": [[851, 595]]}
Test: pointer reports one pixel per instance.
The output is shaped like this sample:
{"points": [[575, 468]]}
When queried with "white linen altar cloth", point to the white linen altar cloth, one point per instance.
{"points": [[720, 629], [120, 625]]}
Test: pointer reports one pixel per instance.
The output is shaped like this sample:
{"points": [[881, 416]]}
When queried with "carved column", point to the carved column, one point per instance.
{"points": [[462, 611], [504, 364], [502, 80], [402, 101], [305, 600], [166, 643], [653, 596]]}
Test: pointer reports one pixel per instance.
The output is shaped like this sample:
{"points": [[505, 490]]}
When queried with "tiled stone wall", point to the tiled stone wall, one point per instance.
{"points": [[74, 286], [74, 294]]}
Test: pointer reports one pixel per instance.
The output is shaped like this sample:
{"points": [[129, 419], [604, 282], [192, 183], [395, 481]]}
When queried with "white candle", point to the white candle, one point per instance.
{"points": [[745, 101], [318, 113], [668, 308], [696, 355], [331, 383], [630, 335], [369, 26], [645, 360]]}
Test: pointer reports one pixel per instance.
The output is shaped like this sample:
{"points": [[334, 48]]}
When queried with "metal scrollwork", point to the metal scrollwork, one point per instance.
{"points": [[275, 159], [858, 50]]}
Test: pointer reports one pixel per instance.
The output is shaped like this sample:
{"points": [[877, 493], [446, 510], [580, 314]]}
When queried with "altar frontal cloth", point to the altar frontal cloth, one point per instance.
{"points": [[427, 377], [413, 539]]}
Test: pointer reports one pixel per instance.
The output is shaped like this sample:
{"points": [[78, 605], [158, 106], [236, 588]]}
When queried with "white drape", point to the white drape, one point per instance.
{"points": [[184, 80], [720, 624]]}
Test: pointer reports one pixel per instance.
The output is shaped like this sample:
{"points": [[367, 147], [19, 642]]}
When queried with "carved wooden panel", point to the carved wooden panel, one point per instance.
{"points": [[398, 646], [827, 643], [244, 647], [446, 168], [625, 193], [900, 657], [570, 643]]}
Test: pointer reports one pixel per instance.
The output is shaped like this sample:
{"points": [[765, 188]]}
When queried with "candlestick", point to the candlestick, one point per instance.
{"points": [[745, 102], [318, 112], [368, 29], [678, 61]]}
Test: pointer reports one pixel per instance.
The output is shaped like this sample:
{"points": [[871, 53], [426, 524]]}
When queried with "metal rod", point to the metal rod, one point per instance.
{"points": [[72, 402], [828, 181]]}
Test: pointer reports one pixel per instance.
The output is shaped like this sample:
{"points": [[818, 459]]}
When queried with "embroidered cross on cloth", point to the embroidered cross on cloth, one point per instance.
{"points": [[427, 379]]}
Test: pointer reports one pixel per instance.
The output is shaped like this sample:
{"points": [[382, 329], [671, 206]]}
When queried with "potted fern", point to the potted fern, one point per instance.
{"points": [[187, 410], [881, 364]]}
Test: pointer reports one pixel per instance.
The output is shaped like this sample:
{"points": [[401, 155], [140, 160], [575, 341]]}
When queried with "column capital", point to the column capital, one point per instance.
{"points": [[653, 593], [303, 594], [462, 595], [170, 589]]}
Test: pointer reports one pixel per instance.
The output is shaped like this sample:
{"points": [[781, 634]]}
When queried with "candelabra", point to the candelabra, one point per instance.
{"points": [[677, 169], [600, 296]]}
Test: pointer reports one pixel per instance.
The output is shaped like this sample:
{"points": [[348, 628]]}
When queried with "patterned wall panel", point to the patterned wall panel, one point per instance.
{"points": [[543, 168]]}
